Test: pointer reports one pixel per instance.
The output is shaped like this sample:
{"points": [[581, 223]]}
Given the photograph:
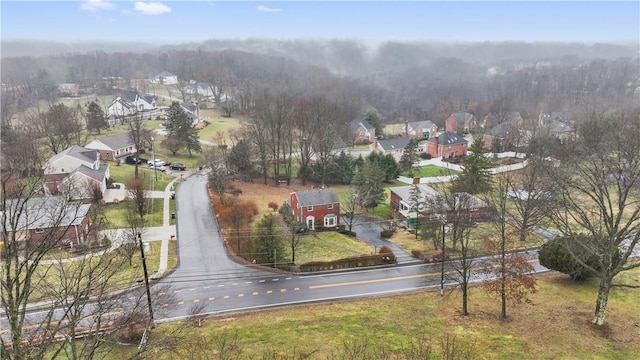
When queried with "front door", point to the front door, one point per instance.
{"points": [[310, 222]]}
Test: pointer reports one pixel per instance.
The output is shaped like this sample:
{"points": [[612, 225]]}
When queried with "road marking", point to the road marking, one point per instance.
{"points": [[220, 285], [181, 303], [248, 282], [283, 290], [263, 281], [240, 295], [275, 279], [234, 283], [226, 297], [287, 278], [206, 287], [191, 289], [371, 281], [269, 291], [176, 291], [165, 305], [212, 298], [255, 293], [196, 300], [296, 289]]}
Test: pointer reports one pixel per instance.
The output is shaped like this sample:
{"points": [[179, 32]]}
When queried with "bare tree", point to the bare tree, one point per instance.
{"points": [[59, 126], [596, 191], [511, 277], [350, 205], [140, 136]]}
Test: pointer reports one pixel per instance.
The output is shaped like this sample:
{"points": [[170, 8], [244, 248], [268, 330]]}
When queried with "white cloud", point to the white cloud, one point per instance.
{"points": [[263, 8], [151, 8], [95, 5]]}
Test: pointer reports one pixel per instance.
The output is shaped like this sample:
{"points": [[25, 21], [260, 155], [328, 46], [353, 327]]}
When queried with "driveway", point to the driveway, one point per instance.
{"points": [[368, 230]]}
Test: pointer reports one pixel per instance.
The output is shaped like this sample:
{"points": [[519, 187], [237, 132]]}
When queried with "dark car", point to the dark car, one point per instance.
{"points": [[177, 166], [134, 160]]}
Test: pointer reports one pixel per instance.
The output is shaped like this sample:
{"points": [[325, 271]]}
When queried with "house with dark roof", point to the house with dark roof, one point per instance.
{"points": [[394, 146], [317, 208], [53, 219], [129, 103], [71, 158], [361, 132], [507, 134], [166, 78], [113, 147], [447, 145], [199, 88], [461, 122], [494, 119]]}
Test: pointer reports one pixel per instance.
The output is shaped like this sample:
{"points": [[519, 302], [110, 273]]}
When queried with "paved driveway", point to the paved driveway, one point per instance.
{"points": [[368, 230]]}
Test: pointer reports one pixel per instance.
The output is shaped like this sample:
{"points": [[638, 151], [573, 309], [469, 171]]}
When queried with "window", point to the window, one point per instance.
{"points": [[39, 231], [309, 208], [330, 206], [330, 220]]}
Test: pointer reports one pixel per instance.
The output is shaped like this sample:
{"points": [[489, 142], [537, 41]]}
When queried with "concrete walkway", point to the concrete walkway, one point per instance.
{"points": [[168, 230]]}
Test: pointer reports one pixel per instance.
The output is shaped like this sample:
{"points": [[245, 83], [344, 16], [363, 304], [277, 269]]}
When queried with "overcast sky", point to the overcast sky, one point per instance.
{"points": [[188, 21]]}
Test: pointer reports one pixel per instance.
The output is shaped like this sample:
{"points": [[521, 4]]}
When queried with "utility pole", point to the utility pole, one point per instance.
{"points": [[442, 264], [146, 279]]}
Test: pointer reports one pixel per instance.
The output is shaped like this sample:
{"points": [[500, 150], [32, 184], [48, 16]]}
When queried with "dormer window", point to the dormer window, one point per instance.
{"points": [[330, 206], [309, 208]]}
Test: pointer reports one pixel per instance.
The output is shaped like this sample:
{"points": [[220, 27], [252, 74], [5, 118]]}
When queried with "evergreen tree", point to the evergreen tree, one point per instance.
{"points": [[180, 127], [409, 156], [369, 181], [268, 245], [475, 177], [96, 119]]}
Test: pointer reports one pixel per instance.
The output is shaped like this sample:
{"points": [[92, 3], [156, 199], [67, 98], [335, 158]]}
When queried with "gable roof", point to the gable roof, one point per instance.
{"points": [[503, 130], [166, 74], [113, 142], [462, 116], [317, 197], [449, 138], [97, 175], [356, 123], [77, 152], [132, 95], [394, 143], [339, 144], [404, 192], [425, 124], [43, 212], [189, 106]]}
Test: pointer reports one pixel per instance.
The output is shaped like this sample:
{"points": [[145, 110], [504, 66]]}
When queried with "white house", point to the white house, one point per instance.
{"points": [[130, 102], [166, 78], [75, 172], [199, 88]]}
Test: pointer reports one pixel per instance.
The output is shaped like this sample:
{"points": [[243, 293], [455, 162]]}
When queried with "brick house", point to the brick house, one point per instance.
{"points": [[507, 134], [421, 129], [51, 219], [461, 123], [113, 147], [447, 145], [317, 208], [361, 132]]}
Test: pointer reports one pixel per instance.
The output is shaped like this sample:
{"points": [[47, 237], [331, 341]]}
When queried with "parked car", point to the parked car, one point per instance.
{"points": [[177, 166], [158, 162], [160, 168], [134, 160]]}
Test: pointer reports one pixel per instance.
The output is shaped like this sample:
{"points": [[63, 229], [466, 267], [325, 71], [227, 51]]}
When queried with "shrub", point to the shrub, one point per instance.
{"points": [[562, 254], [425, 156], [386, 233], [273, 206], [385, 250]]}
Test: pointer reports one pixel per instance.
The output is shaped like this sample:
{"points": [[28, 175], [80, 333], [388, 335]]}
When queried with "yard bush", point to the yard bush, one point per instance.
{"points": [[386, 233], [567, 256]]}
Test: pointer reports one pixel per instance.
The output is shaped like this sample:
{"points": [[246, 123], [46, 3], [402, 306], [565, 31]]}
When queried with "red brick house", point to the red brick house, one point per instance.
{"points": [[447, 145], [461, 123], [51, 219], [317, 208]]}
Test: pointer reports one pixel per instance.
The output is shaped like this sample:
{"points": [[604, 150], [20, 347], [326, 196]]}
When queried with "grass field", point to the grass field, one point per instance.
{"points": [[124, 173], [116, 213], [430, 171], [555, 326]]}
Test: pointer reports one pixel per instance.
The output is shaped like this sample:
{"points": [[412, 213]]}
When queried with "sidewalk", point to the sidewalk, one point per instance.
{"points": [[166, 232]]}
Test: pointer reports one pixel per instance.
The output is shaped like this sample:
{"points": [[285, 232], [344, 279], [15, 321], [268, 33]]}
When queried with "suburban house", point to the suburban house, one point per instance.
{"points": [[447, 145], [461, 123], [394, 146], [166, 78], [433, 205], [511, 117], [317, 208], [113, 147], [339, 145], [559, 124], [68, 89], [362, 132], [130, 102], [421, 129], [75, 172], [191, 109], [51, 218], [199, 88], [507, 134]]}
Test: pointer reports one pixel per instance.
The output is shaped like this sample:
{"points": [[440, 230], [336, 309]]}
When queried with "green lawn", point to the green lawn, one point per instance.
{"points": [[116, 213], [124, 173], [430, 171], [218, 125], [333, 246], [555, 326]]}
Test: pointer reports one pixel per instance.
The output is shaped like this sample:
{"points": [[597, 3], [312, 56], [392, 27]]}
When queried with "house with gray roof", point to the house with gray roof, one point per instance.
{"points": [[461, 122], [131, 102], [421, 129], [113, 147], [317, 208], [447, 145], [166, 78], [75, 172], [52, 219], [361, 132], [394, 146]]}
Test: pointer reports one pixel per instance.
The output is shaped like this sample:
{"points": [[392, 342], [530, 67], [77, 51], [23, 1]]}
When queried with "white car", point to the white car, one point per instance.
{"points": [[157, 163]]}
